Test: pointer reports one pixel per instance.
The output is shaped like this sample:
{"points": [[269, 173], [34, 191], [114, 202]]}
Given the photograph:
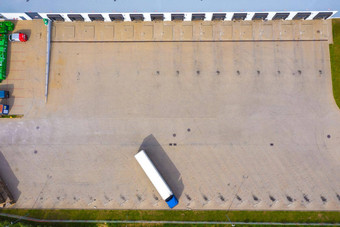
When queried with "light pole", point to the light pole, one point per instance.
{"points": [[229, 220]]}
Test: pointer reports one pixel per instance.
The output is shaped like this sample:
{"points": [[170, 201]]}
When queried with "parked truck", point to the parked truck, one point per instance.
{"points": [[4, 109], [156, 179], [4, 94]]}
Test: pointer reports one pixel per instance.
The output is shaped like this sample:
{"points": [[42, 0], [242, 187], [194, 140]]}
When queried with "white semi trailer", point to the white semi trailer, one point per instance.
{"points": [[156, 179]]}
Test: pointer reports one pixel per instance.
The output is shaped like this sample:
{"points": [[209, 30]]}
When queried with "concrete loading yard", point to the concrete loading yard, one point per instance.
{"points": [[249, 111]]}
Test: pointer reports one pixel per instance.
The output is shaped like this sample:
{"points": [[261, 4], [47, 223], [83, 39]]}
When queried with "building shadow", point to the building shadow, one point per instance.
{"points": [[163, 164], [9, 178]]}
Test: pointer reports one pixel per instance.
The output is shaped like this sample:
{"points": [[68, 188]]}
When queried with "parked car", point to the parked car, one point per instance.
{"points": [[17, 37]]}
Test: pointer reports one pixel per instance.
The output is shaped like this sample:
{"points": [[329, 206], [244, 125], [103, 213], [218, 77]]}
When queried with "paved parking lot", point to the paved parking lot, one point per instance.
{"points": [[246, 124], [26, 66]]}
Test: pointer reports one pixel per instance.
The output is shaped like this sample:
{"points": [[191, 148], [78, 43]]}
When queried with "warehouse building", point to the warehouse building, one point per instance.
{"points": [[165, 10]]}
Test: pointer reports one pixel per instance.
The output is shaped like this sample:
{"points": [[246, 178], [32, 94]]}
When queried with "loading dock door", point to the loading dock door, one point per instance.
{"points": [[96, 17], [33, 15], [177, 16], [75, 17], [55, 17], [260, 16], [239, 16], [322, 15], [157, 17], [301, 16], [116, 17], [198, 16], [219, 16], [280, 16], [136, 17]]}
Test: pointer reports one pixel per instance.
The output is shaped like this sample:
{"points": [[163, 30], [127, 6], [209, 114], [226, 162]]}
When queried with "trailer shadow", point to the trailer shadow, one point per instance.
{"points": [[9, 178], [163, 164]]}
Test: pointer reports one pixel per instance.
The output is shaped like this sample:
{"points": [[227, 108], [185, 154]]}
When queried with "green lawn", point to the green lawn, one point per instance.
{"points": [[183, 215], [335, 60]]}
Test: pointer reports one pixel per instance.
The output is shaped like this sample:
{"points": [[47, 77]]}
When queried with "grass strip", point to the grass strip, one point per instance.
{"points": [[182, 215], [334, 50], [11, 116]]}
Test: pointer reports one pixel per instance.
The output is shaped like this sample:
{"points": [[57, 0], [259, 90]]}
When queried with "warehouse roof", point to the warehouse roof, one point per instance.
{"points": [[89, 6]]}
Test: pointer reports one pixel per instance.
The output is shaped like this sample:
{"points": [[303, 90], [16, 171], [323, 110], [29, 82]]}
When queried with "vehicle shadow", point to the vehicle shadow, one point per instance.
{"points": [[25, 31], [8, 177], [163, 164]]}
